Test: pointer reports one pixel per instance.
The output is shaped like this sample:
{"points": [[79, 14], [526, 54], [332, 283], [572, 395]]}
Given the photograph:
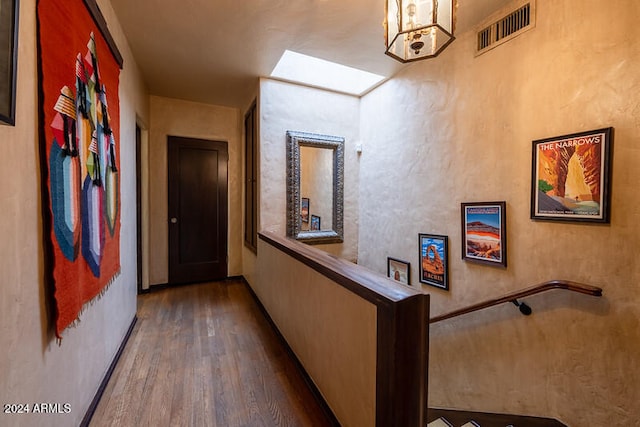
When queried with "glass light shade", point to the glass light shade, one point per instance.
{"points": [[417, 29]]}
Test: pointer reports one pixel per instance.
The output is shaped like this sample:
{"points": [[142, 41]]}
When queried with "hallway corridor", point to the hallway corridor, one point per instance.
{"points": [[204, 355]]}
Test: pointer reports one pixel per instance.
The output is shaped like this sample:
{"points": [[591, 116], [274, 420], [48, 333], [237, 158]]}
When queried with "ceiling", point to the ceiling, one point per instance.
{"points": [[214, 51]]}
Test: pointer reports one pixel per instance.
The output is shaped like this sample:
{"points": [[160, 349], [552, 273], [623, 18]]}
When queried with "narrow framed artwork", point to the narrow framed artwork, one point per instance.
{"points": [[484, 232], [8, 60], [571, 177], [315, 223], [434, 260], [399, 270], [304, 209]]}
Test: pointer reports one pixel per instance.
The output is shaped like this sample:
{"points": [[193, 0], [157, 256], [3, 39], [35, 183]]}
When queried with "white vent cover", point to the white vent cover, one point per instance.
{"points": [[506, 24]]}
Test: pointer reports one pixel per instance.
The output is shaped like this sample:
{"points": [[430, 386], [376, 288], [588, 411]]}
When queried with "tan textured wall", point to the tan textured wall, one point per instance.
{"points": [[284, 107], [189, 119], [458, 129], [33, 368], [331, 330]]}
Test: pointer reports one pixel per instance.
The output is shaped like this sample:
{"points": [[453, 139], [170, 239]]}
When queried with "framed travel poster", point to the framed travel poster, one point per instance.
{"points": [[399, 270], [315, 223], [484, 233], [434, 260], [570, 177], [304, 209]]}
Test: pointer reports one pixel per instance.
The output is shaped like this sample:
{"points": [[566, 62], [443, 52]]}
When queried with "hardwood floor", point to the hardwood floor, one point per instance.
{"points": [[204, 355]]}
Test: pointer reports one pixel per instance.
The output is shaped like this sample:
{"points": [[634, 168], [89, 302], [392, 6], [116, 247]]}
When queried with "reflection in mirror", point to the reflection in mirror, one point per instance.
{"points": [[315, 174], [316, 183]]}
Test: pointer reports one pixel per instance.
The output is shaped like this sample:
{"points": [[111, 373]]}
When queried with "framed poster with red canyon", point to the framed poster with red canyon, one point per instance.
{"points": [[484, 233], [570, 177]]}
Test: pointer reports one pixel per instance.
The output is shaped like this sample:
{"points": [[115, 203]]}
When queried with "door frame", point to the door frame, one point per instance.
{"points": [[139, 208]]}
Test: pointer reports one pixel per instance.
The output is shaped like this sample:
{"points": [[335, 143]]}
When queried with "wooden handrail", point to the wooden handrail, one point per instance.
{"points": [[514, 296]]}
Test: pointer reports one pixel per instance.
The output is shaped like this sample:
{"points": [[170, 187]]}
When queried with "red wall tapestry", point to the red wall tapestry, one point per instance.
{"points": [[79, 129]]}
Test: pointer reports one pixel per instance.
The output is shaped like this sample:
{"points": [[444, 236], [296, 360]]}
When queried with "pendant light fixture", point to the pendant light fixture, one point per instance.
{"points": [[417, 29]]}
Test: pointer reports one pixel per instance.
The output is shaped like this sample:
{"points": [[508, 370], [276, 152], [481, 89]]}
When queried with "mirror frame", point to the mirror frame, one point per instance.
{"points": [[295, 140]]}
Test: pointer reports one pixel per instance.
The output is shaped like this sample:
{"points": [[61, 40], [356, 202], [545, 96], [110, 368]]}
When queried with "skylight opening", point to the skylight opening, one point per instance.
{"points": [[307, 70]]}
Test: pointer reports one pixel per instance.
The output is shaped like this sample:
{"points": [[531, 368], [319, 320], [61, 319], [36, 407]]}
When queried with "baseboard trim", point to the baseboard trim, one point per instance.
{"points": [[161, 286], [107, 376], [153, 288], [331, 417]]}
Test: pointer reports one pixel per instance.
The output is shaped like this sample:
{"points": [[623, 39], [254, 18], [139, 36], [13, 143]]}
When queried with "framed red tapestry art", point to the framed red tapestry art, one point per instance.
{"points": [[79, 136]]}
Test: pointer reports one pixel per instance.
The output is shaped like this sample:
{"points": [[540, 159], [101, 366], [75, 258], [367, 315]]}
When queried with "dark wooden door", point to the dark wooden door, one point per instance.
{"points": [[197, 210]]}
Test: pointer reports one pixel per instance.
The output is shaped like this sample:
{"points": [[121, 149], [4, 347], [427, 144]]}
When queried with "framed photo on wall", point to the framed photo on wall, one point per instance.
{"points": [[434, 260], [484, 233], [571, 177], [399, 270], [304, 209], [315, 223], [8, 60]]}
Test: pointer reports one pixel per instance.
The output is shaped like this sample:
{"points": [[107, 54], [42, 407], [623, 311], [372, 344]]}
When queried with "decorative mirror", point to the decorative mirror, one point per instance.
{"points": [[315, 187]]}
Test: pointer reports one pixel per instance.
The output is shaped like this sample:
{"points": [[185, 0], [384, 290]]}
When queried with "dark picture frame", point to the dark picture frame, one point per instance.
{"points": [[571, 177], [484, 232], [433, 253], [399, 270], [304, 209], [315, 223], [8, 60]]}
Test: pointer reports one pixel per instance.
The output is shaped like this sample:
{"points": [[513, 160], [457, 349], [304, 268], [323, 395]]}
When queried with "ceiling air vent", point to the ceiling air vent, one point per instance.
{"points": [[518, 18]]}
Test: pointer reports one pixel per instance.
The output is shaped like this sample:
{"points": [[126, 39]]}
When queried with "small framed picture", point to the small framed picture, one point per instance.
{"points": [[484, 233], [304, 209], [571, 177], [315, 223], [8, 60], [434, 260], [399, 270]]}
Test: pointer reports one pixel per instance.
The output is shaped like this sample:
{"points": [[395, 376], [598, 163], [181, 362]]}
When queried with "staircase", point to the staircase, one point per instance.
{"points": [[437, 417], [442, 422], [453, 418]]}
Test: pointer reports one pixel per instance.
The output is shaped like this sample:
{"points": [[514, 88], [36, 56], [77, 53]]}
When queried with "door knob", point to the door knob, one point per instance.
{"points": [[174, 220]]}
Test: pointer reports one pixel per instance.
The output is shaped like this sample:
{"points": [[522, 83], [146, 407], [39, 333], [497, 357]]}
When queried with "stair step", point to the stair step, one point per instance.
{"points": [[440, 422], [457, 418]]}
